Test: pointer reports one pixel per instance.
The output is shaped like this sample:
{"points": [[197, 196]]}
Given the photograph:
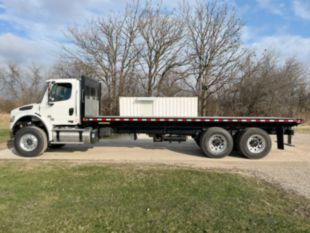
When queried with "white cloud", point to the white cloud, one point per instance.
{"points": [[47, 11], [20, 50], [45, 18], [250, 34], [40, 25], [302, 9], [43, 23], [285, 46], [274, 7]]}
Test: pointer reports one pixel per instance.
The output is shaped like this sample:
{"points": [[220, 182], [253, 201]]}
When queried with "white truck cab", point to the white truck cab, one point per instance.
{"points": [[59, 105], [60, 102], [60, 108]]}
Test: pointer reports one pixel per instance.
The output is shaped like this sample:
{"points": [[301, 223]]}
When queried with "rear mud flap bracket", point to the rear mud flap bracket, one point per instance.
{"points": [[280, 138]]}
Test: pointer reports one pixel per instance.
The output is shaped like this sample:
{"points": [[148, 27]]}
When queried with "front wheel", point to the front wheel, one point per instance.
{"points": [[30, 141], [216, 142], [254, 143]]}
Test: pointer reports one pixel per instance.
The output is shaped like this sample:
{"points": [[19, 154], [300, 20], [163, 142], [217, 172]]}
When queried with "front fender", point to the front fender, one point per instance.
{"points": [[32, 118]]}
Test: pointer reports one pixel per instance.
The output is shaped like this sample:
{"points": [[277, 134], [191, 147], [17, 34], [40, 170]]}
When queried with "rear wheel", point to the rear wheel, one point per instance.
{"points": [[30, 141], [254, 143], [216, 142]]}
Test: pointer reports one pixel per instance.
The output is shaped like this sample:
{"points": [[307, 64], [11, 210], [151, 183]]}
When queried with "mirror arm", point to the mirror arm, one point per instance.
{"points": [[50, 85]]}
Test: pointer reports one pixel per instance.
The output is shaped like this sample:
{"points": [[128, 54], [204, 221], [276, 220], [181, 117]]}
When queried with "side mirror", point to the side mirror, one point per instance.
{"points": [[50, 98]]}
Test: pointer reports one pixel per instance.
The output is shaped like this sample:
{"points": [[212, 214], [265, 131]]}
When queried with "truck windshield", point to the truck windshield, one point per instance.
{"points": [[60, 92]]}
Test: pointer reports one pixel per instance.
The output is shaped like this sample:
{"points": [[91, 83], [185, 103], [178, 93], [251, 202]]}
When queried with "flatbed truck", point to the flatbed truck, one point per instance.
{"points": [[69, 114]]}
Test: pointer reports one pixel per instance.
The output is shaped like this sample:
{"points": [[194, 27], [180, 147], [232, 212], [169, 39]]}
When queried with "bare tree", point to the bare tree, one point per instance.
{"points": [[265, 86], [161, 36], [291, 83], [21, 85], [109, 47], [194, 50], [174, 85], [35, 85], [71, 69], [213, 40]]}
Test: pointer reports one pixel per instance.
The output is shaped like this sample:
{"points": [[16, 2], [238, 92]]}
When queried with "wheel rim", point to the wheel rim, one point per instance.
{"points": [[256, 144], [217, 143], [28, 142]]}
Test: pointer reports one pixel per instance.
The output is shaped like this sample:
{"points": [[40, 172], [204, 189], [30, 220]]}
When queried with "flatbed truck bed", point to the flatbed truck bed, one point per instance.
{"points": [[289, 121]]}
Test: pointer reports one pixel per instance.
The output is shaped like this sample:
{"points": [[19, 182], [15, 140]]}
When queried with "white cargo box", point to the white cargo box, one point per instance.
{"points": [[158, 106]]}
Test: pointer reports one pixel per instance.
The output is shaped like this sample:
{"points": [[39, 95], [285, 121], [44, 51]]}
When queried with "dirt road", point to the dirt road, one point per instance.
{"points": [[289, 168]]}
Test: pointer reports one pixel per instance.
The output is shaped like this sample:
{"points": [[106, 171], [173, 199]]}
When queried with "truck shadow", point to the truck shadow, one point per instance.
{"points": [[187, 148]]}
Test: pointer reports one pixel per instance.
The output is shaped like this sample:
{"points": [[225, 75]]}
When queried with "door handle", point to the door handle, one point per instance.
{"points": [[71, 111]]}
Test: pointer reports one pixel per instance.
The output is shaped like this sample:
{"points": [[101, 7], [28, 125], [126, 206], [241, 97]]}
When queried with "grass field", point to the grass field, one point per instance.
{"points": [[41, 197]]}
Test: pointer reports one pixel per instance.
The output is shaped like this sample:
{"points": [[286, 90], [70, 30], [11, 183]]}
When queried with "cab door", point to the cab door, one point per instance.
{"points": [[60, 107]]}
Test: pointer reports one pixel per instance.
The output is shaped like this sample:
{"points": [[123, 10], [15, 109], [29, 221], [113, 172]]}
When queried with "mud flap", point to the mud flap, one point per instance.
{"points": [[290, 134], [280, 138]]}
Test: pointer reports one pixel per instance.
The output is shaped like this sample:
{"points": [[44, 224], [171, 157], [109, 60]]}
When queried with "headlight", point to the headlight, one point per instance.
{"points": [[12, 119]]}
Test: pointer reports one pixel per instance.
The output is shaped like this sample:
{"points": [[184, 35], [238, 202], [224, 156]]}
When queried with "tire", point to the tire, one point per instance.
{"points": [[254, 143], [30, 141], [55, 146], [216, 142]]}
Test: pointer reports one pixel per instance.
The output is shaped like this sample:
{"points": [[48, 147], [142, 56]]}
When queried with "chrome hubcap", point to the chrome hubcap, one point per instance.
{"points": [[217, 143], [28, 142], [256, 144]]}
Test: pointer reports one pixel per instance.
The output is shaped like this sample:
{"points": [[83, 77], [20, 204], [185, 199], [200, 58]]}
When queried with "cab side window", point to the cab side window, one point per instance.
{"points": [[60, 92]]}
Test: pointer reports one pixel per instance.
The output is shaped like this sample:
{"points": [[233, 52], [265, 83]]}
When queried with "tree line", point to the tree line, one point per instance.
{"points": [[192, 50]]}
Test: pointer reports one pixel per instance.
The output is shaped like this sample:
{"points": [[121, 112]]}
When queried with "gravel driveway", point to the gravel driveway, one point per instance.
{"points": [[289, 168]]}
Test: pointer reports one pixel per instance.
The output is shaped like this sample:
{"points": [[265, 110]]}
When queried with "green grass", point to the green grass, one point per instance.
{"points": [[40, 197], [4, 135]]}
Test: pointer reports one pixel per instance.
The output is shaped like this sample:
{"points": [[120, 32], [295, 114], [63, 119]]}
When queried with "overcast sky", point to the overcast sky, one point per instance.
{"points": [[33, 30]]}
